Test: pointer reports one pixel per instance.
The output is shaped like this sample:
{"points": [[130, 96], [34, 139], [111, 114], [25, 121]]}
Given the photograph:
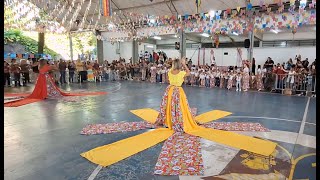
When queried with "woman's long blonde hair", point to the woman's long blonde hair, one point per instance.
{"points": [[176, 64]]}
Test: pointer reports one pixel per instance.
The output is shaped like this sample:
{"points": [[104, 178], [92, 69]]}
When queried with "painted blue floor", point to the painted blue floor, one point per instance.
{"points": [[312, 111], [42, 140]]}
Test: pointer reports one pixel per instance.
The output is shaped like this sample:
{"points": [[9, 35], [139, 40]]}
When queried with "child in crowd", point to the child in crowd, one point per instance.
{"points": [[100, 74], [15, 69], [217, 78], [192, 77], [158, 76], [230, 80], [153, 70], [221, 79], [166, 75], [238, 81], [196, 77], [207, 79], [106, 73], [309, 79], [212, 79], [185, 81], [259, 80], [202, 77], [290, 79], [163, 74], [226, 78]]}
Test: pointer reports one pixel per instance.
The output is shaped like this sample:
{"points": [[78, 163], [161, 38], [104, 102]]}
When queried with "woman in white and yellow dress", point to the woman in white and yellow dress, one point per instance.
{"points": [[174, 117]]}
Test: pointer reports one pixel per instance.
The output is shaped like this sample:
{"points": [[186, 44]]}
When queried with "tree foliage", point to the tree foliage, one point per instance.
{"points": [[16, 36], [84, 42]]}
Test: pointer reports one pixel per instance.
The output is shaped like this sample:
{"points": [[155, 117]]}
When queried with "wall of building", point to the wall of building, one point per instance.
{"points": [[278, 54]]}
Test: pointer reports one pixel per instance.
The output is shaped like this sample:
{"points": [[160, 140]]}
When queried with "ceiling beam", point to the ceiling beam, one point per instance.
{"points": [[258, 36], [150, 41], [118, 9], [193, 38], [171, 5], [141, 6], [174, 6], [146, 5]]}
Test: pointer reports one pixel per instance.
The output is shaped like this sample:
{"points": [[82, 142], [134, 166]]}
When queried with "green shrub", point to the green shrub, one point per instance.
{"points": [[16, 36]]}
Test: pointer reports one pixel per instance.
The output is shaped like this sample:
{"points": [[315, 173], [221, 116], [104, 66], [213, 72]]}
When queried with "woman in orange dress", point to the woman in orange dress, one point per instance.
{"points": [[44, 88]]}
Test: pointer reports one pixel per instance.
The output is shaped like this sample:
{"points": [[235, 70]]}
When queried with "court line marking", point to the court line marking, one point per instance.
{"points": [[95, 172], [117, 87], [303, 123], [280, 119]]}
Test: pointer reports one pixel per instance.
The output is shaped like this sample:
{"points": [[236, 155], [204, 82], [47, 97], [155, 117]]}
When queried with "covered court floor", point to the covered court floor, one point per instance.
{"points": [[43, 140]]}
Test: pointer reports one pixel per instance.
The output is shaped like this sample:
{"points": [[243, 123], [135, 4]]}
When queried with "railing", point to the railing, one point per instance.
{"points": [[297, 84]]}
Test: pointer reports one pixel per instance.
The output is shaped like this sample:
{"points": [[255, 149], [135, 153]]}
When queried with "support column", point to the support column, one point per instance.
{"points": [[135, 51], [99, 48], [40, 42], [250, 20], [182, 43], [250, 49], [71, 46], [260, 44]]}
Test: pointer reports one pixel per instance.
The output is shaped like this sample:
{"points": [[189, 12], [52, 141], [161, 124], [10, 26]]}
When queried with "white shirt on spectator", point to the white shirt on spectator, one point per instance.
{"points": [[238, 78], [218, 74], [259, 71]]}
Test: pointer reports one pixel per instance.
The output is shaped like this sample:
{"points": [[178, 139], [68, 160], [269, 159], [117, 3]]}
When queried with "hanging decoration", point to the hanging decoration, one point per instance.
{"points": [[105, 7], [139, 26]]}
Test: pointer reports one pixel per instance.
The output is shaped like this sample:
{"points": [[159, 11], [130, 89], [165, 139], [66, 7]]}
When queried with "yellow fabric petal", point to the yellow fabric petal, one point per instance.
{"points": [[117, 151], [235, 140], [232, 139], [211, 116], [147, 114]]}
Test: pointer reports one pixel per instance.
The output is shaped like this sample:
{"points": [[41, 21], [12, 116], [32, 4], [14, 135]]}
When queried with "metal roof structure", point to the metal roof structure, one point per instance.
{"points": [[85, 14]]}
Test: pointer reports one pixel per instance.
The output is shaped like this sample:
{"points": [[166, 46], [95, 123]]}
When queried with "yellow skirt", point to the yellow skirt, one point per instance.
{"points": [[175, 115]]}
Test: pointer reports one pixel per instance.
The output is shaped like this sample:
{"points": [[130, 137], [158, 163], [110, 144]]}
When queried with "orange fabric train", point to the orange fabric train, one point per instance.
{"points": [[45, 88]]}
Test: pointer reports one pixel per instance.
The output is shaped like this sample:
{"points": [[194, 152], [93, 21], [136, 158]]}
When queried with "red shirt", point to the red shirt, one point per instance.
{"points": [[280, 72]]}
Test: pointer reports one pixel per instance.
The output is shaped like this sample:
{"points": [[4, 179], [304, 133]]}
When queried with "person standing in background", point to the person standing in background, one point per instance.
{"points": [[56, 74], [143, 68], [6, 73], [155, 56], [259, 78], [81, 72], [96, 68], [71, 68], [25, 71], [253, 68], [15, 69], [238, 81], [245, 77], [62, 69], [85, 68]]}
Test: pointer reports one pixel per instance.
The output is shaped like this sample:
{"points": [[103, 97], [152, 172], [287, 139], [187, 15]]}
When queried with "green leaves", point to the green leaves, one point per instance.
{"points": [[16, 36]]}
